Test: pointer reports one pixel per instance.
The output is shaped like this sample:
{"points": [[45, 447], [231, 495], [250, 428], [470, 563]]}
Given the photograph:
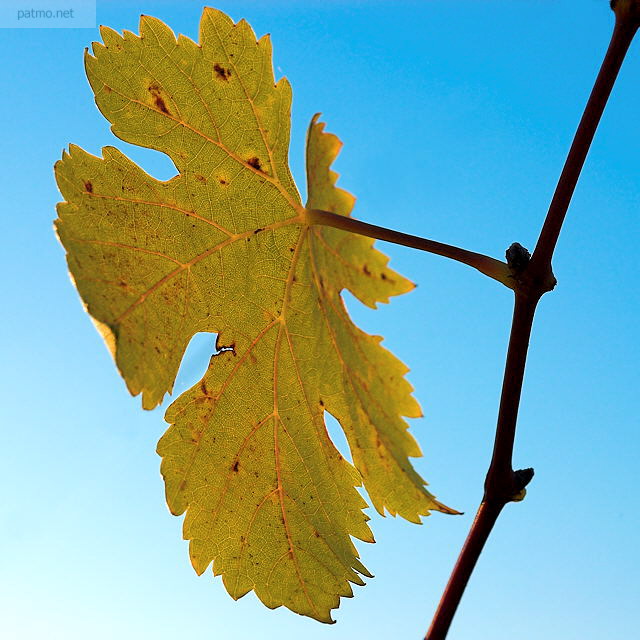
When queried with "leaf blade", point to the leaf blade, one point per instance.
{"points": [[224, 247]]}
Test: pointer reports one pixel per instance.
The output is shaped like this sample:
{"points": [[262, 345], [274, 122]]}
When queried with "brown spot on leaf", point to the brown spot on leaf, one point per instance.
{"points": [[200, 178], [106, 88], [258, 230], [235, 467], [365, 270], [88, 187], [222, 181], [158, 100], [255, 163], [221, 72], [203, 387]]}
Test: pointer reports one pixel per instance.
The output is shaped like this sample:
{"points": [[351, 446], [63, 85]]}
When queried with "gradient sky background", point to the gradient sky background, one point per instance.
{"points": [[456, 117]]}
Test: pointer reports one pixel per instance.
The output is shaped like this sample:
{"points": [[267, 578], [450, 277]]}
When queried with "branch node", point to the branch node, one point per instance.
{"points": [[530, 276], [517, 258], [627, 9], [521, 478]]}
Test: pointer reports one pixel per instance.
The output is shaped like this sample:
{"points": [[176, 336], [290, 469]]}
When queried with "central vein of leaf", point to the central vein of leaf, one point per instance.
{"points": [[277, 422]]}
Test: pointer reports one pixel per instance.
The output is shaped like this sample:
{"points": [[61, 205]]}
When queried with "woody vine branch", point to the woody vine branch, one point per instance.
{"points": [[530, 277]]}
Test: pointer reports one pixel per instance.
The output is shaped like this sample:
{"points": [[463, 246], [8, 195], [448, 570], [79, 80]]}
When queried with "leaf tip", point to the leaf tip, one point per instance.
{"points": [[74, 150], [150, 400], [442, 508], [315, 121], [88, 56], [148, 25]]}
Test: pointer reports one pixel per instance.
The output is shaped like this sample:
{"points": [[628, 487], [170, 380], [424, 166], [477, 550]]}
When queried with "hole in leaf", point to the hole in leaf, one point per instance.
{"points": [[194, 362], [337, 436]]}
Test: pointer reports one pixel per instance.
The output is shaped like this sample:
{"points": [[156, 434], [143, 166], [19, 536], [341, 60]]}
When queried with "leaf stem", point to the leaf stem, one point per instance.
{"points": [[503, 484], [489, 266]]}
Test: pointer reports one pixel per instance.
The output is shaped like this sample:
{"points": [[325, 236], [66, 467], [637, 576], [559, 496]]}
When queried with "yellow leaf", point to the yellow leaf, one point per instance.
{"points": [[224, 247]]}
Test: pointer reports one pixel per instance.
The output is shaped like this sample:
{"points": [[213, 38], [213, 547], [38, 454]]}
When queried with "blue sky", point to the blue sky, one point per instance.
{"points": [[456, 117]]}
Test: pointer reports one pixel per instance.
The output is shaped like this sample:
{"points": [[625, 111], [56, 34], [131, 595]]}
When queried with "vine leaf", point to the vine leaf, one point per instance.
{"points": [[224, 247]]}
